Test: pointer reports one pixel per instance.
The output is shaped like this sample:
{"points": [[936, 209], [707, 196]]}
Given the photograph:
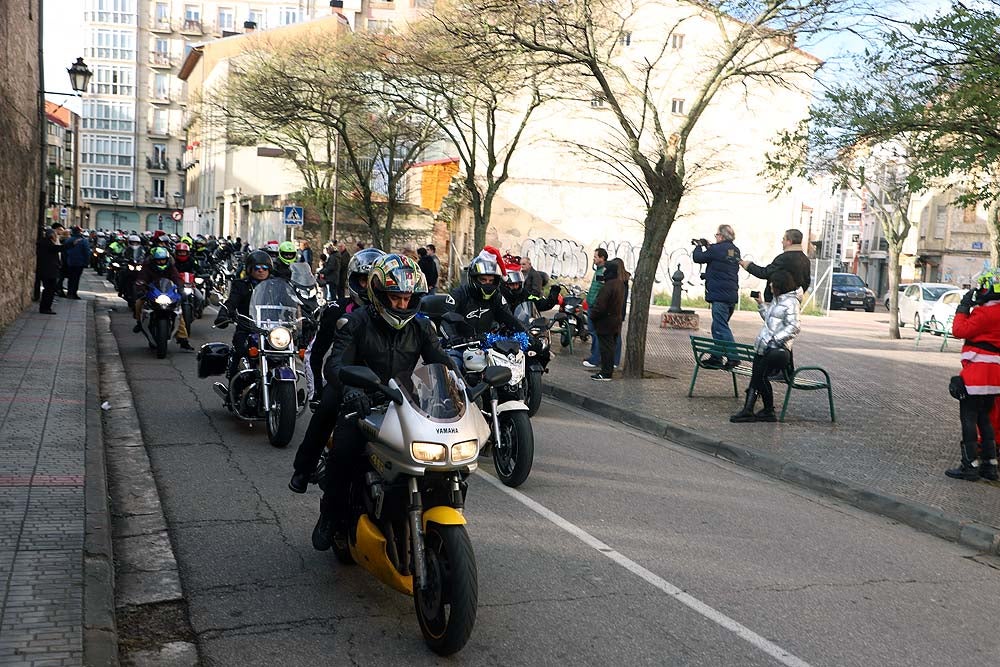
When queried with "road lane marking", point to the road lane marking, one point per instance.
{"points": [[693, 603]]}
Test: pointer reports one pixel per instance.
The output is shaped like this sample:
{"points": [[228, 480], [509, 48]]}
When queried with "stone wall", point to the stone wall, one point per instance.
{"points": [[19, 168]]}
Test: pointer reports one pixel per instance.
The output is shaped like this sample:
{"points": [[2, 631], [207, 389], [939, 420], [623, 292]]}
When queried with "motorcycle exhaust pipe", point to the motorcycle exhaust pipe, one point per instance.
{"points": [[222, 390]]}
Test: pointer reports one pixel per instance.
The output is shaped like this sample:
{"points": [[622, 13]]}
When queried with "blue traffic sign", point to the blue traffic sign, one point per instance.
{"points": [[293, 215]]}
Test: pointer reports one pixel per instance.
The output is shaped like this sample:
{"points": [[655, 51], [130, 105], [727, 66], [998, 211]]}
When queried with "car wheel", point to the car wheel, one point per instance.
{"points": [[916, 321]]}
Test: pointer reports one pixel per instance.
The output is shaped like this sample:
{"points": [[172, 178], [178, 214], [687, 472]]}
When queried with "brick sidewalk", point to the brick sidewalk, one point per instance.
{"points": [[43, 387], [897, 428]]}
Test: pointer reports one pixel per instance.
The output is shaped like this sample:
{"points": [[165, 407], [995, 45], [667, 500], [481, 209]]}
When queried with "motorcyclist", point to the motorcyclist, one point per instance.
{"points": [[480, 300], [257, 267], [201, 251], [184, 261], [357, 284], [135, 253], [287, 254], [515, 293], [156, 267], [385, 336]]}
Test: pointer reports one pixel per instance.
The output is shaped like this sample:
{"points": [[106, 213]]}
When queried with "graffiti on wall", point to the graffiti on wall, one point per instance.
{"points": [[560, 258]]}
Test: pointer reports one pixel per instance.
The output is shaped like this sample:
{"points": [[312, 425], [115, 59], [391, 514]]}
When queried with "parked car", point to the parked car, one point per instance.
{"points": [[885, 297], [848, 291], [918, 300], [944, 308]]}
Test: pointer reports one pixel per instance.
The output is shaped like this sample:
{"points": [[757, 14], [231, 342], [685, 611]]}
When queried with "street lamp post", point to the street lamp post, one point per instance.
{"points": [[178, 204], [114, 210]]}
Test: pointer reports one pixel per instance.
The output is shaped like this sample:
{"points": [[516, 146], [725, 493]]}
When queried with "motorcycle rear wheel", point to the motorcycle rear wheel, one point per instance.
{"points": [[281, 415], [446, 608], [514, 451], [161, 335]]}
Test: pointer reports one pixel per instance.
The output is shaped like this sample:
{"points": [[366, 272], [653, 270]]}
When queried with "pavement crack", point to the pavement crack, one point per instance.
{"points": [[852, 584]]}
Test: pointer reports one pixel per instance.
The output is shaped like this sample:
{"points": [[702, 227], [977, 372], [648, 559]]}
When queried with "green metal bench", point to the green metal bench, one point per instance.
{"points": [[932, 326], [706, 348]]}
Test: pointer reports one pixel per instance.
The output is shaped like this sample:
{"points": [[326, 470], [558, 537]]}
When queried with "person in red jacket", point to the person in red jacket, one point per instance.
{"points": [[977, 320]]}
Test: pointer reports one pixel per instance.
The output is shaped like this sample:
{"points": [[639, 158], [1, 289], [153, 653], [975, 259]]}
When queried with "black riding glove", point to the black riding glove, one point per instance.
{"points": [[965, 305], [355, 400], [553, 292]]}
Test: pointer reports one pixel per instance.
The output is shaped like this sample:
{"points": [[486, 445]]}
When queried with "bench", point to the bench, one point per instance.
{"points": [[706, 348], [934, 327]]}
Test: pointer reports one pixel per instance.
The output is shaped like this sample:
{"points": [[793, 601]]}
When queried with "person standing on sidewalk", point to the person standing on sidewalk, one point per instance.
{"points": [[77, 259], [600, 258], [606, 315], [792, 259], [47, 253], [722, 272], [429, 269], [977, 320], [773, 346]]}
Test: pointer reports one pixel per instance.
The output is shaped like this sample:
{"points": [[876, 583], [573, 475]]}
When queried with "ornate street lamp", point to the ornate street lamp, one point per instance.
{"points": [[79, 75]]}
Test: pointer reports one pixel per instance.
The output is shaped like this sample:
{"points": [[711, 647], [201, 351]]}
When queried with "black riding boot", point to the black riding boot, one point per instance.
{"points": [[766, 414], [746, 414], [969, 468], [988, 467]]}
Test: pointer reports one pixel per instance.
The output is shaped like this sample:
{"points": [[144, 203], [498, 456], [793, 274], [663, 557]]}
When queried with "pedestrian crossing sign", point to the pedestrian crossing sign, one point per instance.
{"points": [[293, 215]]}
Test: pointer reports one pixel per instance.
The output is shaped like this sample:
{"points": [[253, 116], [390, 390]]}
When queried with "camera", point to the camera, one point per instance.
{"points": [[755, 294], [698, 242]]}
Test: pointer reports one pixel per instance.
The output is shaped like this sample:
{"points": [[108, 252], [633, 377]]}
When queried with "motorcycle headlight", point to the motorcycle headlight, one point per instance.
{"points": [[100, 251], [545, 343], [464, 451], [568, 308], [279, 338], [163, 300], [188, 290], [199, 281], [429, 452], [310, 293]]}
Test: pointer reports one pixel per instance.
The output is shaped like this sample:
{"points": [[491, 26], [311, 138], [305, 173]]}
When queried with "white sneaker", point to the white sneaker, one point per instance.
{"points": [[587, 364]]}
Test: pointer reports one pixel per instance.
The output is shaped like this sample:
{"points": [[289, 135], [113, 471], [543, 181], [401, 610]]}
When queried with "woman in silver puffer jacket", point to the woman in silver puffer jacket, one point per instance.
{"points": [[773, 346]]}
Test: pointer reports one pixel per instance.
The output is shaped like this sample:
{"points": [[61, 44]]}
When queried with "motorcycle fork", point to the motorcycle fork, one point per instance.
{"points": [[495, 416], [264, 393], [415, 509]]}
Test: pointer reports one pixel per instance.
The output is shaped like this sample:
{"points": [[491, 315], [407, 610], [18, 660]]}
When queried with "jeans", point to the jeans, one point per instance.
{"points": [[607, 344], [73, 274], [721, 314], [595, 351]]}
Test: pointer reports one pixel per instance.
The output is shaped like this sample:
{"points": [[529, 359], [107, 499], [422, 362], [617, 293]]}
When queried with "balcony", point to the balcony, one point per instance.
{"points": [[154, 163], [159, 96], [160, 60], [152, 200], [191, 27], [157, 131], [178, 164], [161, 25]]}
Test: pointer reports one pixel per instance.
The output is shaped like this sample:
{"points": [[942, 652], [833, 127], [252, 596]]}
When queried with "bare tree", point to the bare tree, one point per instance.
{"points": [[754, 48]]}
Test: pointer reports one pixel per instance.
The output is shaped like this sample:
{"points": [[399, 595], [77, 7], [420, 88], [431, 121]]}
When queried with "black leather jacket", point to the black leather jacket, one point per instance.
{"points": [[364, 339], [483, 315], [331, 313], [238, 301]]}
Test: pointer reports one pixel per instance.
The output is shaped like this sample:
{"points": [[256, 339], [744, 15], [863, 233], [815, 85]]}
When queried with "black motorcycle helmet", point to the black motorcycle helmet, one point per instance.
{"points": [[359, 267], [482, 268], [257, 258]]}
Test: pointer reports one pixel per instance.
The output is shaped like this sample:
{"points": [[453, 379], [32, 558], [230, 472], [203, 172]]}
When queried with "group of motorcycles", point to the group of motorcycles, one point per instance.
{"points": [[424, 434]]}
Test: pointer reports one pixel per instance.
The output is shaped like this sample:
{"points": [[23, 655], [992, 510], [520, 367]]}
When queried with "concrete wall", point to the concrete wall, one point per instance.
{"points": [[19, 169]]}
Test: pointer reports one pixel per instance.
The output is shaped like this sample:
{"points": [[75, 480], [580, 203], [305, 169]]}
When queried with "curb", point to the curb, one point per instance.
{"points": [[146, 566], [914, 514], [100, 633]]}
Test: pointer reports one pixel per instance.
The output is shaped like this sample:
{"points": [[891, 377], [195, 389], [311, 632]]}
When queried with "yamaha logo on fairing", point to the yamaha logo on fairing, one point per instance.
{"points": [[447, 430]]}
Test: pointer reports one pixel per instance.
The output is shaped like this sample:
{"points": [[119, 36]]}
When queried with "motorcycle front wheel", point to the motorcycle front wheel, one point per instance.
{"points": [[534, 392], [514, 450], [161, 336], [188, 313], [281, 414], [446, 608]]}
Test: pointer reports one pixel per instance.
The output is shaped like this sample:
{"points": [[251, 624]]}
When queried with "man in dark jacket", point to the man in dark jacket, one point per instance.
{"points": [[331, 273], [429, 267], [606, 314], [345, 261], [481, 301], [722, 271], [77, 258], [792, 260], [47, 253], [534, 280]]}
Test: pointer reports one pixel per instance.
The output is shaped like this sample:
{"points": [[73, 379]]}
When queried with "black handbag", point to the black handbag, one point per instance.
{"points": [[956, 387]]}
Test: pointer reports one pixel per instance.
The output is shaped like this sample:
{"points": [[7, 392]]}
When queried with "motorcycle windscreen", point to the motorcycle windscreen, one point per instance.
{"points": [[435, 391], [162, 286], [274, 304], [525, 313], [302, 275]]}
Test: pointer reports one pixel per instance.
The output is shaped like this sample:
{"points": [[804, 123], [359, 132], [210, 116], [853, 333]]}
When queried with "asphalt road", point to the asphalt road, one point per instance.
{"points": [[584, 566]]}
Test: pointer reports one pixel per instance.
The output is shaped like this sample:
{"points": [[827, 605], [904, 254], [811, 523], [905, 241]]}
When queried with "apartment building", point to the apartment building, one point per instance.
{"points": [[61, 135], [132, 137]]}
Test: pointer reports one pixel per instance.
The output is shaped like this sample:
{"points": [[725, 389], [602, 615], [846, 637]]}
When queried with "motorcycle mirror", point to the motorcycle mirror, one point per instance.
{"points": [[359, 376], [496, 376], [538, 323]]}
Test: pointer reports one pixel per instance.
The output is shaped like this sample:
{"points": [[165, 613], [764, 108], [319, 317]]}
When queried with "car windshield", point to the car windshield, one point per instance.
{"points": [[273, 304], [435, 392], [847, 280], [934, 293], [951, 298]]}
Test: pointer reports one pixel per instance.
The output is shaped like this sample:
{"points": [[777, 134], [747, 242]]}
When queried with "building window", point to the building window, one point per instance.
{"points": [[289, 15], [111, 44], [379, 27], [159, 190], [113, 80], [107, 150], [159, 153], [121, 12], [625, 38], [161, 46], [102, 183], [162, 13], [160, 121], [161, 86], [940, 220], [192, 13], [227, 19], [257, 16], [108, 115], [677, 106], [676, 42]]}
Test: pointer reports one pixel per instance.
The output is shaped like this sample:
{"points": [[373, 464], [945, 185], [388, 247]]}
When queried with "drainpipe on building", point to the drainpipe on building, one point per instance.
{"points": [[42, 135]]}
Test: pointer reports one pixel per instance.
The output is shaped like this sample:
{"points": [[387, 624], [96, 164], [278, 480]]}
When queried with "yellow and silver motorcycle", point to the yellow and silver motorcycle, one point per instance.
{"points": [[405, 521]]}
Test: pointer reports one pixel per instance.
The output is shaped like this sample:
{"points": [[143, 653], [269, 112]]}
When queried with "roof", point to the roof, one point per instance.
{"points": [[58, 114]]}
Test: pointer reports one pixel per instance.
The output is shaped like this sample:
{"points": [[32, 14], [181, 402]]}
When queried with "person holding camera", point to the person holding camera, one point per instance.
{"points": [[721, 276], [792, 259]]}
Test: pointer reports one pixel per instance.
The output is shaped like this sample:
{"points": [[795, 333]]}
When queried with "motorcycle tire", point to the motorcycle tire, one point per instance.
{"points": [[161, 336], [584, 334], [446, 608], [188, 314], [534, 393], [281, 422], [565, 339], [514, 451]]}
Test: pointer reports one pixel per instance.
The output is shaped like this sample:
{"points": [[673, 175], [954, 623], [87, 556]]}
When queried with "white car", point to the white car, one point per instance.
{"points": [[885, 297], [916, 303], [945, 307]]}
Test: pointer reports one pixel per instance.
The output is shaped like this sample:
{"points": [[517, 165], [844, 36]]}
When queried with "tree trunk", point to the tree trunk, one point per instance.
{"points": [[893, 292], [659, 219], [993, 225]]}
